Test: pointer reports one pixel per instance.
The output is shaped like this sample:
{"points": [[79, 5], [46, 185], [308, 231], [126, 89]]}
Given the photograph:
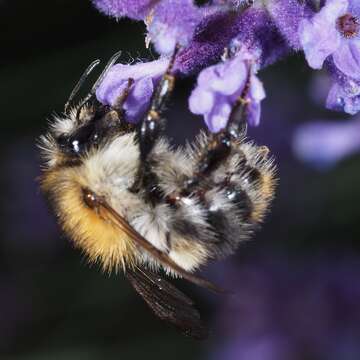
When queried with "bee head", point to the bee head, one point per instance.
{"points": [[84, 128], [89, 126]]}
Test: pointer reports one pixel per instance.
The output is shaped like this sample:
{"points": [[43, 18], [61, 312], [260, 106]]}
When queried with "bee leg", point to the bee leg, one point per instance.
{"points": [[118, 106], [237, 125], [220, 144], [152, 123]]}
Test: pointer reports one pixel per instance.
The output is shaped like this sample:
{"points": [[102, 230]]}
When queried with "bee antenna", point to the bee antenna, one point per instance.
{"points": [[110, 63], [81, 81]]}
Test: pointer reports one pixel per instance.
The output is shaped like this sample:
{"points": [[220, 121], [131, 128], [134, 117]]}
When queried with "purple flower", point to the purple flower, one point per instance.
{"points": [[344, 97], [145, 75], [287, 15], [252, 28], [134, 9], [323, 143], [334, 30], [344, 94], [171, 22], [219, 86], [232, 4], [211, 37], [259, 33]]}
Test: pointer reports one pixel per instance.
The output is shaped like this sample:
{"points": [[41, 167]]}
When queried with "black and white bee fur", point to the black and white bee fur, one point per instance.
{"points": [[131, 201]]}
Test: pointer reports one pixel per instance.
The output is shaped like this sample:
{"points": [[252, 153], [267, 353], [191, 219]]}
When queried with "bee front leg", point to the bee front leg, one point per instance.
{"points": [[150, 129], [153, 123], [118, 106]]}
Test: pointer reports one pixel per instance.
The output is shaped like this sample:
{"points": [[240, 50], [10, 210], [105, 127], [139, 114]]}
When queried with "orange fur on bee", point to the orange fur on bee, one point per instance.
{"points": [[97, 236], [266, 190]]}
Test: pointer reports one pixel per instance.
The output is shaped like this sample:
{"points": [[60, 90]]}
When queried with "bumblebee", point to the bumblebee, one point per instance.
{"points": [[130, 201]]}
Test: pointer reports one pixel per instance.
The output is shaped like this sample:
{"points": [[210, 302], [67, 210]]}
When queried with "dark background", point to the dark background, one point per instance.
{"points": [[52, 304]]}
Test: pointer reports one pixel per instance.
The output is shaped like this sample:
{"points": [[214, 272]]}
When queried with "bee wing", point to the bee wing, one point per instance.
{"points": [[168, 302], [111, 214]]}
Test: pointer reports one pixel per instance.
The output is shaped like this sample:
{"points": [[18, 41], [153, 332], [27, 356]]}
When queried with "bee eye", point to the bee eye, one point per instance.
{"points": [[95, 137], [76, 146], [79, 141], [62, 141]]}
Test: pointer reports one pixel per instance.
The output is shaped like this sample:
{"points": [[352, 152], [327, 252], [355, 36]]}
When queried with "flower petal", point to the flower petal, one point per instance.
{"points": [[139, 99], [319, 36], [347, 58], [257, 94], [218, 117], [134, 9], [145, 75], [354, 7], [319, 40], [172, 22], [287, 15], [225, 78], [219, 86], [344, 97], [332, 10], [201, 102]]}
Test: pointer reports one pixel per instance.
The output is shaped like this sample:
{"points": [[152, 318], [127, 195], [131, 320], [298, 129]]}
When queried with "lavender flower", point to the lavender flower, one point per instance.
{"points": [[134, 9], [220, 85], [335, 31], [254, 28], [258, 32], [204, 33], [287, 15], [344, 97], [264, 31], [322, 144], [212, 36], [232, 4], [145, 75], [172, 22]]}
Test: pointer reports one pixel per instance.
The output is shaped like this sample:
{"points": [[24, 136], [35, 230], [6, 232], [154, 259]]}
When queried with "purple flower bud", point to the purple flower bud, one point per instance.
{"points": [[334, 30], [146, 75], [171, 22], [134, 9], [219, 86], [323, 143]]}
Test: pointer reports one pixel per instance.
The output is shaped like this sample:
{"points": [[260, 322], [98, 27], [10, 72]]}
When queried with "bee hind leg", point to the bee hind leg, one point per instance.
{"points": [[220, 145]]}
